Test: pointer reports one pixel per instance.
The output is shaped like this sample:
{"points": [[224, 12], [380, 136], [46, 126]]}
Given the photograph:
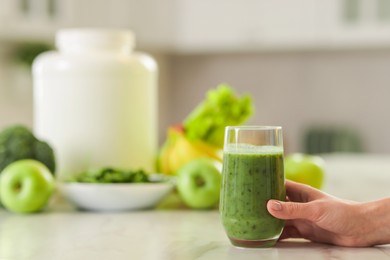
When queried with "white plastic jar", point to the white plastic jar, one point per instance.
{"points": [[95, 101]]}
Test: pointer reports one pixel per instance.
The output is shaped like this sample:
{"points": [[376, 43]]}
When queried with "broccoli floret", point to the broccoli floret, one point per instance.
{"points": [[44, 153], [18, 142]]}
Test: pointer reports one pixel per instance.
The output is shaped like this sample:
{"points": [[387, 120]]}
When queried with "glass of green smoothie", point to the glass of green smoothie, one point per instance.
{"points": [[252, 174]]}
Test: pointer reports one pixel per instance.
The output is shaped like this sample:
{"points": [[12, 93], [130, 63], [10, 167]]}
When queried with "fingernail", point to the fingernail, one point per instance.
{"points": [[276, 205]]}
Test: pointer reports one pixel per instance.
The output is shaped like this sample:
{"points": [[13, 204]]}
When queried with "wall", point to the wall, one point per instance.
{"points": [[291, 89], [15, 91], [296, 90]]}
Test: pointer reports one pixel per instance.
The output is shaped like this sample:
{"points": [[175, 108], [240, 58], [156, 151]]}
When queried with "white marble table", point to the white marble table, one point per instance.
{"points": [[182, 235], [61, 232]]}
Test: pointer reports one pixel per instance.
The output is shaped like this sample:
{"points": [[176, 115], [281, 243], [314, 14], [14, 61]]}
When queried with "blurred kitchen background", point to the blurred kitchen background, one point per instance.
{"points": [[320, 69]]}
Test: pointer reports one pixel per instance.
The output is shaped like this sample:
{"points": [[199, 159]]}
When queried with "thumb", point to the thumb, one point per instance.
{"points": [[292, 210]]}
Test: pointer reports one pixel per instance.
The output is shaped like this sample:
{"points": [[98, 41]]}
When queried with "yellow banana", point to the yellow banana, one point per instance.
{"points": [[178, 150]]}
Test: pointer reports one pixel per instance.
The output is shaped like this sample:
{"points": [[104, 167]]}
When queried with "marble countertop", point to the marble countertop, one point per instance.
{"points": [[62, 232]]}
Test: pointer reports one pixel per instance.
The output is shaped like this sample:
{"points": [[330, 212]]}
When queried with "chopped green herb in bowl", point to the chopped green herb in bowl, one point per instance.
{"points": [[111, 189], [111, 175]]}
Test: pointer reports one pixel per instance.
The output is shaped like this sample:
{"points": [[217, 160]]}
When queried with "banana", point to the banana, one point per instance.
{"points": [[179, 150]]}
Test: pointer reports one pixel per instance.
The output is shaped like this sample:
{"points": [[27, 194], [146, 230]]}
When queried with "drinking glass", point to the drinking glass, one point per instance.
{"points": [[252, 174]]}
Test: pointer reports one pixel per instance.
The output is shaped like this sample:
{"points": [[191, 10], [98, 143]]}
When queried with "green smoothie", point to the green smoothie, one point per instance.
{"points": [[251, 176]]}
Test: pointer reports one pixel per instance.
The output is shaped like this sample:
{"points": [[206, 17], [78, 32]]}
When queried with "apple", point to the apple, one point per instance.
{"points": [[304, 168], [26, 186], [199, 183]]}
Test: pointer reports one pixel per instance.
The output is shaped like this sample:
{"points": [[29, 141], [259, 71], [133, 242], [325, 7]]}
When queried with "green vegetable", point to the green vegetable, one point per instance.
{"points": [[25, 53], [111, 175], [221, 108], [18, 142]]}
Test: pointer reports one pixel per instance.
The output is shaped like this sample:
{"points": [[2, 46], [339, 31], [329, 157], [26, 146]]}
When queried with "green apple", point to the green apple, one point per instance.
{"points": [[304, 168], [26, 186], [199, 183]]}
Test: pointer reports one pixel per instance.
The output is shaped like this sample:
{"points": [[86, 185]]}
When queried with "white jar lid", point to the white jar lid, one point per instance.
{"points": [[88, 39]]}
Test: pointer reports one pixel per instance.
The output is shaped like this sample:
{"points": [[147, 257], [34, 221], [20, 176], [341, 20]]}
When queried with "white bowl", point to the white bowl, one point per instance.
{"points": [[116, 196]]}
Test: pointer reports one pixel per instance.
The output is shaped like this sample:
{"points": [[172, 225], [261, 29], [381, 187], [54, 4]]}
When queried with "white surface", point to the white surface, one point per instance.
{"points": [[115, 197], [63, 233], [146, 235]]}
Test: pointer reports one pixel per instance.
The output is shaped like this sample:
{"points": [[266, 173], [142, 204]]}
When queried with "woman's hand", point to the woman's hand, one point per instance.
{"points": [[319, 217]]}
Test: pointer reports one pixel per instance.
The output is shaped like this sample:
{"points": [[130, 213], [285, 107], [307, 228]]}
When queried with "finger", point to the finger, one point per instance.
{"points": [[293, 210], [299, 192]]}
